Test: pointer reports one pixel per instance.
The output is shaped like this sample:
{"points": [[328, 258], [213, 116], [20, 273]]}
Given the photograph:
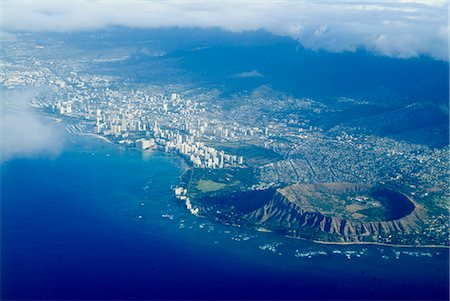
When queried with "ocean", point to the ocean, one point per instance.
{"points": [[99, 221]]}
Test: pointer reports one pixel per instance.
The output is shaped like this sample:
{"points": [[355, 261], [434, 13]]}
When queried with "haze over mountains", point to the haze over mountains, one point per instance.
{"points": [[394, 97]]}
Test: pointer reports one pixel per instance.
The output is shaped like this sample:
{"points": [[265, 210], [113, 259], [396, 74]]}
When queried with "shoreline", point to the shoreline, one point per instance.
{"points": [[56, 119], [381, 244], [337, 243], [186, 167], [96, 136]]}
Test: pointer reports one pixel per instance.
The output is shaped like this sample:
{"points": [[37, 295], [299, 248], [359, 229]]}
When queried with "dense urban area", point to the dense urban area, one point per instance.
{"points": [[270, 136]]}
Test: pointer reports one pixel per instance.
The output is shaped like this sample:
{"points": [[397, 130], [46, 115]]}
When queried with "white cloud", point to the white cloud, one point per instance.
{"points": [[24, 134], [395, 28]]}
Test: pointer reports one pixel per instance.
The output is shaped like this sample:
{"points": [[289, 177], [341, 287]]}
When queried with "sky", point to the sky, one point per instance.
{"points": [[395, 28]]}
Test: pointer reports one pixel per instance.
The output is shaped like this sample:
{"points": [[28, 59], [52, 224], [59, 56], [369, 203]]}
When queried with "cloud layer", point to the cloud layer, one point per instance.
{"points": [[24, 135], [395, 28]]}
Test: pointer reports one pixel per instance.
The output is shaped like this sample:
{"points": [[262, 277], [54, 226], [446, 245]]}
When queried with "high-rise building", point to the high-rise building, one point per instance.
{"points": [[145, 144]]}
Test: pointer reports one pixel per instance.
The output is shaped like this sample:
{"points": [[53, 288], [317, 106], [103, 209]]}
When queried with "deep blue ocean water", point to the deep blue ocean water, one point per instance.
{"points": [[70, 229]]}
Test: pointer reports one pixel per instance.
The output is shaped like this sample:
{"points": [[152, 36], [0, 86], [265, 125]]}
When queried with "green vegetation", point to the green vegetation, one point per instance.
{"points": [[209, 186], [374, 213], [351, 201], [213, 182]]}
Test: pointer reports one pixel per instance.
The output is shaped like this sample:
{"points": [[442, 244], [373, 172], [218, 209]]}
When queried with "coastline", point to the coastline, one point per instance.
{"points": [[337, 243], [56, 119], [381, 244], [96, 136], [185, 166]]}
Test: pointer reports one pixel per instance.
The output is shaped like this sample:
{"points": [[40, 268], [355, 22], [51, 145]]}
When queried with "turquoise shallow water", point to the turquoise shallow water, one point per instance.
{"points": [[71, 230]]}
